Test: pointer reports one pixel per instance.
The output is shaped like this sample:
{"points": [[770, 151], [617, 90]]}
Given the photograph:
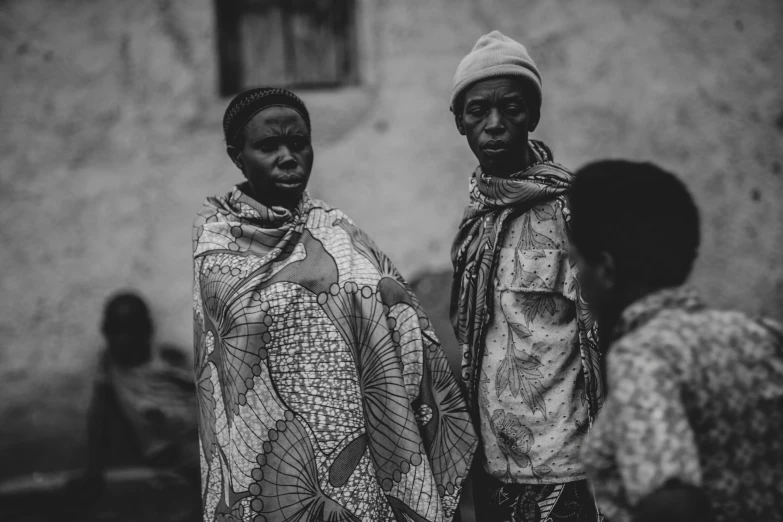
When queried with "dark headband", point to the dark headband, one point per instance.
{"points": [[249, 103]]}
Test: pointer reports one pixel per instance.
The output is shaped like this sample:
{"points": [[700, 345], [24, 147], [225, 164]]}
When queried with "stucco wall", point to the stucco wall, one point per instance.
{"points": [[112, 139]]}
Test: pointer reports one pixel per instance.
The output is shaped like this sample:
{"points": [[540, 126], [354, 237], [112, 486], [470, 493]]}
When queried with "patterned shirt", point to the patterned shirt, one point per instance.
{"points": [[531, 393], [694, 395]]}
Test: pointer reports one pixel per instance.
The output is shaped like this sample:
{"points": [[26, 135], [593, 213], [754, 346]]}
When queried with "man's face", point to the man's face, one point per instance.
{"points": [[495, 120], [277, 156]]}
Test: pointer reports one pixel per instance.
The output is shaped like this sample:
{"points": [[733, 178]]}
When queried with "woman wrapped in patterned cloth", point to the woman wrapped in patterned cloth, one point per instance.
{"points": [[323, 391]]}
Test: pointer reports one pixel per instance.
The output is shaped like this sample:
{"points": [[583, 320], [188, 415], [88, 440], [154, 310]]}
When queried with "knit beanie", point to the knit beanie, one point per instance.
{"points": [[249, 103], [498, 55]]}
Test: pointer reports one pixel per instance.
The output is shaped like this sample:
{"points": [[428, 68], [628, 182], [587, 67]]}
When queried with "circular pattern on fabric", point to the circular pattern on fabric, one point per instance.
{"points": [[239, 326]]}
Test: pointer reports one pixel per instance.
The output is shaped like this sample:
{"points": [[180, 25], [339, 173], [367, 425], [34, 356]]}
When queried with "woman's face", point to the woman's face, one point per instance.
{"points": [[277, 156]]}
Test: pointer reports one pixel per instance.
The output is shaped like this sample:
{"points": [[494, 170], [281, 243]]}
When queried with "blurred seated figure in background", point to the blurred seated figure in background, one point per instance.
{"points": [[691, 428], [140, 399]]}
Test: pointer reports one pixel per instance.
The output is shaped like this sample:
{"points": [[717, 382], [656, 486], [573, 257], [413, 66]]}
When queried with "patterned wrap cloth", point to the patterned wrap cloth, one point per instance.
{"points": [[695, 396], [494, 202], [323, 392]]}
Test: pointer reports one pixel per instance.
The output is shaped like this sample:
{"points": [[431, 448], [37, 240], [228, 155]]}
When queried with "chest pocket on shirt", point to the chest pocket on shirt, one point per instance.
{"points": [[531, 275], [542, 270]]}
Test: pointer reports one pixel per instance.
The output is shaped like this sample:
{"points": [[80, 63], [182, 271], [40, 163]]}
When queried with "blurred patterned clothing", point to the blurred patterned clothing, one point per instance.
{"points": [[694, 395], [159, 401], [323, 391]]}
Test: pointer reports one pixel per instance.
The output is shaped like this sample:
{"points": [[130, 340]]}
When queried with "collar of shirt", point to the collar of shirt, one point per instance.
{"points": [[643, 310]]}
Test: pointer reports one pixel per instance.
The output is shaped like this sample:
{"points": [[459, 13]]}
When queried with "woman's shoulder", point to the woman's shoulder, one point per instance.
{"points": [[215, 208], [320, 211]]}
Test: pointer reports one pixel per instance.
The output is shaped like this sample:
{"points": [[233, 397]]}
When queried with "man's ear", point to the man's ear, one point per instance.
{"points": [[460, 123], [236, 156]]}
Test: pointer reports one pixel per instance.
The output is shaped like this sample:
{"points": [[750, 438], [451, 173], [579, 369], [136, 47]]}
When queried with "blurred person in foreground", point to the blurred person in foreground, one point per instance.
{"points": [[152, 396], [691, 428], [323, 391], [530, 358]]}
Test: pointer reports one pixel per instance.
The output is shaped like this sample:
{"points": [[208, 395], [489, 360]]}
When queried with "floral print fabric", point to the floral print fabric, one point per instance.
{"points": [[532, 402], [696, 396]]}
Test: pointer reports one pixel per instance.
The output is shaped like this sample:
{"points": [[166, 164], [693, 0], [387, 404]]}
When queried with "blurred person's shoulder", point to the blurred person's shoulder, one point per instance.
{"points": [[704, 337]]}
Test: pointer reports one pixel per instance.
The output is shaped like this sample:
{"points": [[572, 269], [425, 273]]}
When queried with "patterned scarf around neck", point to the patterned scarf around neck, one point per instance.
{"points": [[495, 202]]}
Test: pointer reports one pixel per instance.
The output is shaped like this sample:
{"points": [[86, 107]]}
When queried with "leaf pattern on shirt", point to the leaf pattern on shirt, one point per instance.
{"points": [[544, 212], [529, 239], [536, 304], [519, 372], [523, 278]]}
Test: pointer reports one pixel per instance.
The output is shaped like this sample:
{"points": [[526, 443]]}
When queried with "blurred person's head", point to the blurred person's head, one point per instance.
{"points": [[634, 230], [267, 133], [127, 328], [496, 101]]}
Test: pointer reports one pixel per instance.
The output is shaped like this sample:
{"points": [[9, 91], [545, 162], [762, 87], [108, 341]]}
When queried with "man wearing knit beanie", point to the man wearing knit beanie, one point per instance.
{"points": [[530, 357]]}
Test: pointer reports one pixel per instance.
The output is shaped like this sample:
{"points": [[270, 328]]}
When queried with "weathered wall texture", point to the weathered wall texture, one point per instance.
{"points": [[112, 139]]}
